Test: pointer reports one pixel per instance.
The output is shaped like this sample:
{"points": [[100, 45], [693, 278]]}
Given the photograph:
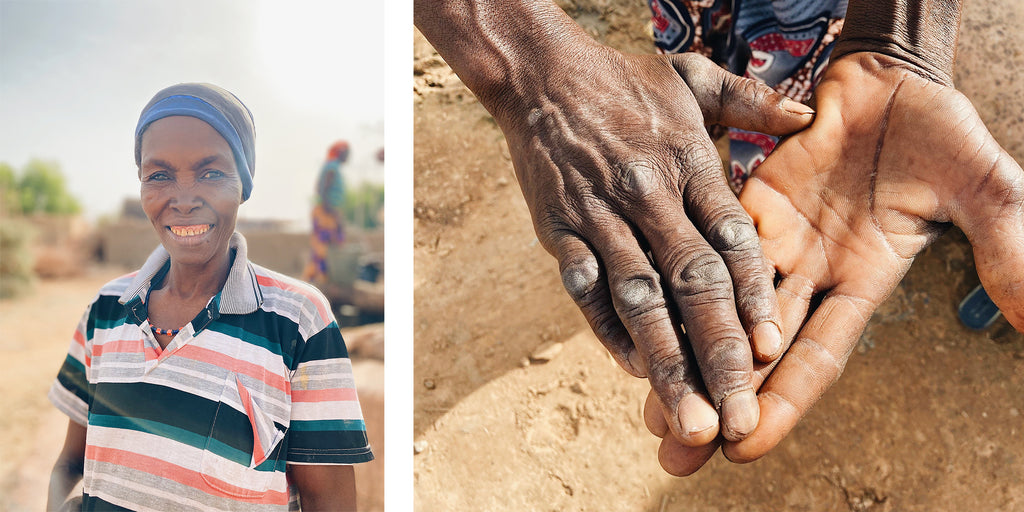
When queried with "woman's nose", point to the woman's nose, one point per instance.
{"points": [[186, 201]]}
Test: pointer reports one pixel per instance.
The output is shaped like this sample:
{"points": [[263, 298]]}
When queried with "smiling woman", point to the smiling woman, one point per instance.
{"points": [[204, 381]]}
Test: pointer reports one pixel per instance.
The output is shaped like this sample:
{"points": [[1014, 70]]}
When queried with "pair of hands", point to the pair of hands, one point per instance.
{"points": [[843, 208], [626, 190]]}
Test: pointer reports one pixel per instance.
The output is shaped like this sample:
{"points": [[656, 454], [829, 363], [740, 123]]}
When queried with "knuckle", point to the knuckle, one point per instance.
{"points": [[818, 360], [727, 361], [703, 275], [732, 232], [754, 303], [688, 63], [748, 88], [689, 58], [609, 330], [640, 180], [666, 365], [580, 277], [723, 383], [551, 228], [696, 156], [638, 294]]}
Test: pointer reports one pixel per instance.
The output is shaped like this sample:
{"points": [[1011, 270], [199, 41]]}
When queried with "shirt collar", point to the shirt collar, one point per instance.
{"points": [[241, 294]]}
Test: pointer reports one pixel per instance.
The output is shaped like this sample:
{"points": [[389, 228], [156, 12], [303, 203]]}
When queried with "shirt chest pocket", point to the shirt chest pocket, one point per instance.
{"points": [[243, 449]]}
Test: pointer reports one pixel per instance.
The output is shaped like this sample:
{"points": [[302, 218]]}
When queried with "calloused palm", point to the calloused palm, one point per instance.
{"points": [[844, 207]]}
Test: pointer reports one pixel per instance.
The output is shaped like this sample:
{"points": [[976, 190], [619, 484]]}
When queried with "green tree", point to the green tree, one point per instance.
{"points": [[10, 201], [43, 190]]}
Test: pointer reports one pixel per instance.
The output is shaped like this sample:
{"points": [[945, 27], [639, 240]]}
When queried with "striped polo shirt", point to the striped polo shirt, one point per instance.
{"points": [[258, 380]]}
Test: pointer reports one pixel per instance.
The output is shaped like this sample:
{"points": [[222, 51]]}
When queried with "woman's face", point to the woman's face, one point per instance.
{"points": [[190, 188]]}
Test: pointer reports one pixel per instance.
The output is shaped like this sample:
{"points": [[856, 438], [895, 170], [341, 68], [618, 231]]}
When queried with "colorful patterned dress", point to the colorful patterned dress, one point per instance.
{"points": [[328, 217]]}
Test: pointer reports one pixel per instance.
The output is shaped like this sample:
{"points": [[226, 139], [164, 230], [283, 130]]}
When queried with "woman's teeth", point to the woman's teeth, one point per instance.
{"points": [[198, 229]]}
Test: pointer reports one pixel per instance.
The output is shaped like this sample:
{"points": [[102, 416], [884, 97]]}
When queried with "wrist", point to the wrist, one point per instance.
{"points": [[503, 51], [920, 33]]}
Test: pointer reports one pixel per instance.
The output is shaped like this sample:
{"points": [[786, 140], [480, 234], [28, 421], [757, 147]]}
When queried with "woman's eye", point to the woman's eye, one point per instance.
{"points": [[158, 176], [213, 173]]}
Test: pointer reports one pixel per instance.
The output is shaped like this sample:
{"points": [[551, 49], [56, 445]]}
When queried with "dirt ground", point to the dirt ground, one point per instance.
{"points": [[35, 331], [927, 416]]}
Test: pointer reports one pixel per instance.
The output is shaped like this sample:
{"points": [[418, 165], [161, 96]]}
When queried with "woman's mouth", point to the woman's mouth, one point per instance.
{"points": [[190, 231]]}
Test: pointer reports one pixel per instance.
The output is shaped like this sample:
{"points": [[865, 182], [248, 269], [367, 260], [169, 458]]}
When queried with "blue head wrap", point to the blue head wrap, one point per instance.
{"points": [[217, 108]]}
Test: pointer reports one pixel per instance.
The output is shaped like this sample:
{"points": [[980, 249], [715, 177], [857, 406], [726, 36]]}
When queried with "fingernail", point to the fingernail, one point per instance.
{"points": [[696, 415], [740, 413], [796, 107], [767, 341], [637, 362]]}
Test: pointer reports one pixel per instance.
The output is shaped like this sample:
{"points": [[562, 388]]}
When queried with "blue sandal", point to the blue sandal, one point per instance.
{"points": [[977, 311]]}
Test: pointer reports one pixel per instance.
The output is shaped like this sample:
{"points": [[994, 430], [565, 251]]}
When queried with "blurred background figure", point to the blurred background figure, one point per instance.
{"points": [[328, 217]]}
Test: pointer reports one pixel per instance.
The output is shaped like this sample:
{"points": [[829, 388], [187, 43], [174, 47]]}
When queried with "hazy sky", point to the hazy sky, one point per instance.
{"points": [[75, 74]]}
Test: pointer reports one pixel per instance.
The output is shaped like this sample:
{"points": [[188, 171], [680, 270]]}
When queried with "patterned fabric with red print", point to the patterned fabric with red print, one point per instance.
{"points": [[784, 43]]}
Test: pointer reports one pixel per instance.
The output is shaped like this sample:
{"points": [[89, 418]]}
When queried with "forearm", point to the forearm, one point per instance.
{"points": [[67, 472], [921, 32], [63, 479], [323, 488], [503, 50]]}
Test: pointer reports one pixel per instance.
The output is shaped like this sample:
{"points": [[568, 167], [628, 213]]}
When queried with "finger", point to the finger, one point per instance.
{"points": [[993, 221], [730, 231], [699, 283], [585, 281], [654, 415], [1001, 268], [639, 301], [744, 103], [805, 372], [794, 293], [680, 460], [694, 403]]}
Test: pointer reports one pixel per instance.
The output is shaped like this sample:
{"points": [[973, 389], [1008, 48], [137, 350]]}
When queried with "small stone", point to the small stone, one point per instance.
{"points": [[419, 446], [546, 352], [429, 384], [524, 362], [940, 349], [1014, 412], [577, 387]]}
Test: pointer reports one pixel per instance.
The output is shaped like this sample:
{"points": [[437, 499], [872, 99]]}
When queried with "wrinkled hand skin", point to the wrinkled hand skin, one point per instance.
{"points": [[843, 208], [614, 160], [626, 190]]}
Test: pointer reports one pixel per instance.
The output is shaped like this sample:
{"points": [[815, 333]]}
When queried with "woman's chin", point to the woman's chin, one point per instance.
{"points": [[196, 249]]}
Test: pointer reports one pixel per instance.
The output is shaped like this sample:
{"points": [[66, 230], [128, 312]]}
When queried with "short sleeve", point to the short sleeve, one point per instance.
{"points": [[71, 392], [326, 421]]}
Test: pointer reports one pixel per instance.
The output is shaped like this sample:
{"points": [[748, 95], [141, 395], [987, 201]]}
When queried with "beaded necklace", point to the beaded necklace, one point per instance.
{"points": [[169, 332], [158, 280]]}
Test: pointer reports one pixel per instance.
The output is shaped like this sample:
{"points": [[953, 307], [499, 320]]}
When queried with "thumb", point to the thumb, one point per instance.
{"points": [[1000, 262], [739, 102], [993, 221]]}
